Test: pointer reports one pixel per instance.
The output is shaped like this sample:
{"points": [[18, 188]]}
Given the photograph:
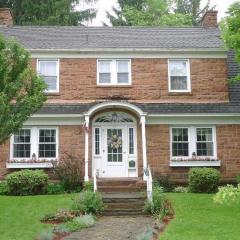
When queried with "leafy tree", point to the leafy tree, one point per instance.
{"points": [[21, 90], [48, 12], [155, 13], [230, 27], [118, 17], [192, 8], [147, 13]]}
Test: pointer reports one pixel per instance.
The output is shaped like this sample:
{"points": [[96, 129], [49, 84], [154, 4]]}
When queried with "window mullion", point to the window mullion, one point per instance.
{"points": [[34, 139], [192, 140], [114, 72]]}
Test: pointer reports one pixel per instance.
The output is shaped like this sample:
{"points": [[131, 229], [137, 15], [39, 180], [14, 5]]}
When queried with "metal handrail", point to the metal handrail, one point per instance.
{"points": [[148, 175], [95, 180]]}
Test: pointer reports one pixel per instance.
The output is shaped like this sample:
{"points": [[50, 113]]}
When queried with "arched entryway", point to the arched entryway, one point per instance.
{"points": [[114, 139], [114, 144]]}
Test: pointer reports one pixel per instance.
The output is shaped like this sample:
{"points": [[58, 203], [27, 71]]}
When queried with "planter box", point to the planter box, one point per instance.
{"points": [[195, 163], [29, 165]]}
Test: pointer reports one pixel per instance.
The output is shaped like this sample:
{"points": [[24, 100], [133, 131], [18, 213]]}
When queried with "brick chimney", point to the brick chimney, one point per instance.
{"points": [[6, 18], [210, 19]]}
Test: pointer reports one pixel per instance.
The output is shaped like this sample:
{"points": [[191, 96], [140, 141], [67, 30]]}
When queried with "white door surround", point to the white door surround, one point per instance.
{"points": [[129, 133], [114, 144]]}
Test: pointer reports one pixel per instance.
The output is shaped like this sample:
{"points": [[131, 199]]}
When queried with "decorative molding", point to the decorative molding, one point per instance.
{"points": [[29, 165], [195, 163]]}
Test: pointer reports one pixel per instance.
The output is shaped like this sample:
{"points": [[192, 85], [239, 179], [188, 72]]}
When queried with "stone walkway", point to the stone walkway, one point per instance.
{"points": [[114, 228]]}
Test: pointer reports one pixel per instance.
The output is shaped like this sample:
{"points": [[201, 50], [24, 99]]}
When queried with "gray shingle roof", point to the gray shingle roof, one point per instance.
{"points": [[114, 37]]}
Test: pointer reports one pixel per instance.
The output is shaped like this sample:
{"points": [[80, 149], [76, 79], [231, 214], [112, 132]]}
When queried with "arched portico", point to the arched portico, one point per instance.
{"points": [[111, 106]]}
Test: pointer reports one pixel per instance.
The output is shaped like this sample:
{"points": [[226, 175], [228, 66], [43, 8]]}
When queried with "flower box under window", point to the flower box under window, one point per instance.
{"points": [[199, 162], [44, 163]]}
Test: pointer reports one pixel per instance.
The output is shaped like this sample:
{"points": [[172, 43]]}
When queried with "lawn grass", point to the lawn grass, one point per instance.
{"points": [[20, 216], [197, 217]]}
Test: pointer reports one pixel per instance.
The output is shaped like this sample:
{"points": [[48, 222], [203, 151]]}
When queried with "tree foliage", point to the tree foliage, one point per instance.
{"points": [[48, 12], [157, 13], [191, 8], [230, 27], [21, 90]]}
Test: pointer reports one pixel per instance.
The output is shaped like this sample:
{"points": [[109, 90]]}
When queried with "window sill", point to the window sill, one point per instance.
{"points": [[186, 163], [180, 93], [29, 165], [114, 86], [52, 93]]}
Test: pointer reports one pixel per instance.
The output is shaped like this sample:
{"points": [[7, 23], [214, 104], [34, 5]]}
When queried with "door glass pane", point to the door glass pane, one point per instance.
{"points": [[131, 141], [114, 141]]}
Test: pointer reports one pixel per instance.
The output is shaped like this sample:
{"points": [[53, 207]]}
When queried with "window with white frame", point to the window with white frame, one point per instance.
{"points": [[47, 143], [188, 142], [22, 143], [35, 142], [114, 72], [179, 75], [48, 69], [97, 141]]}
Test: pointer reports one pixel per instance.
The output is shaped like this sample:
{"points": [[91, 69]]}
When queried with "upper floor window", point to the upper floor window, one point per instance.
{"points": [[114, 72], [48, 69], [179, 75]]}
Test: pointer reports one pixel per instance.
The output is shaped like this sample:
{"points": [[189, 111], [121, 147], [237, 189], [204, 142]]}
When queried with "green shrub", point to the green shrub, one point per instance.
{"points": [[238, 179], [77, 223], [203, 180], [55, 188], [69, 172], [180, 189], [46, 235], [228, 195], [147, 235], [27, 182], [4, 188], [61, 215], [160, 207], [165, 182], [88, 186], [61, 229], [88, 203]]}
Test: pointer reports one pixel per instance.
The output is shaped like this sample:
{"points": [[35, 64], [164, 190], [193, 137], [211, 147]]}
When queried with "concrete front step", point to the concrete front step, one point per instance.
{"points": [[123, 212], [119, 189], [125, 206]]}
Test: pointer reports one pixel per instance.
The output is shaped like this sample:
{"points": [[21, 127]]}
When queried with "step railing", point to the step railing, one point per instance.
{"points": [[95, 180], [148, 177]]}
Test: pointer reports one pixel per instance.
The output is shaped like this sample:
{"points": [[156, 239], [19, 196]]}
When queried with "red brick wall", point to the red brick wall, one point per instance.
{"points": [[149, 82], [71, 141], [228, 151]]}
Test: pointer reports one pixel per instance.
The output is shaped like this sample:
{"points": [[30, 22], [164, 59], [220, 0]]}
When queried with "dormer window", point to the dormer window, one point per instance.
{"points": [[48, 69], [178, 75], [114, 72]]}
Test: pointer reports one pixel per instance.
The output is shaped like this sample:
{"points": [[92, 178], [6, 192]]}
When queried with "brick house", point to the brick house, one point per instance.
{"points": [[123, 98]]}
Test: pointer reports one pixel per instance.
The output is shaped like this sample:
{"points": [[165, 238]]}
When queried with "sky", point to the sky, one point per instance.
{"points": [[106, 5]]}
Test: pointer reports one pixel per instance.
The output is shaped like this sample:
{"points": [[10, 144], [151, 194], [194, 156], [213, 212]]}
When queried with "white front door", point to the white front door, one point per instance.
{"points": [[114, 152]]}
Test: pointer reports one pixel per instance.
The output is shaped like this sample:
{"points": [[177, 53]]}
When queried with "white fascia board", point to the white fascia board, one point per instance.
{"points": [[129, 53], [194, 119], [55, 120]]}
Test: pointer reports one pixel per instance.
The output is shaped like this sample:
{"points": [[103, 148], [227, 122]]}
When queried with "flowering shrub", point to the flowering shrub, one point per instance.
{"points": [[228, 194], [180, 189]]}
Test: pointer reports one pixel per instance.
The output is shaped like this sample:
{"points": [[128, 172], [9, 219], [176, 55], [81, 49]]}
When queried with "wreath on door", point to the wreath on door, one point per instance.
{"points": [[115, 141]]}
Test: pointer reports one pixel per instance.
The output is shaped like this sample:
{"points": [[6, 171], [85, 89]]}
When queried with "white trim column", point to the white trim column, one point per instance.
{"points": [[144, 147], [86, 176]]}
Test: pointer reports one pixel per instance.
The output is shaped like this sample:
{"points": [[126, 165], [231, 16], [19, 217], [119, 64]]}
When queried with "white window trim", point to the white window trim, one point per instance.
{"points": [[58, 71], [100, 142], [114, 71], [192, 146], [35, 144], [188, 90]]}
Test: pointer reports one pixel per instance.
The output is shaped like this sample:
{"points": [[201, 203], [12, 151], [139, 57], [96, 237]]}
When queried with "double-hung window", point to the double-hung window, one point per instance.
{"points": [[114, 72], [22, 144], [35, 143], [48, 69], [193, 142], [178, 75]]}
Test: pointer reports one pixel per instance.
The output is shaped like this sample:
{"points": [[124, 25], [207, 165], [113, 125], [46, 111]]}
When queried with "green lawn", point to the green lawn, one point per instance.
{"points": [[19, 216], [198, 218]]}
